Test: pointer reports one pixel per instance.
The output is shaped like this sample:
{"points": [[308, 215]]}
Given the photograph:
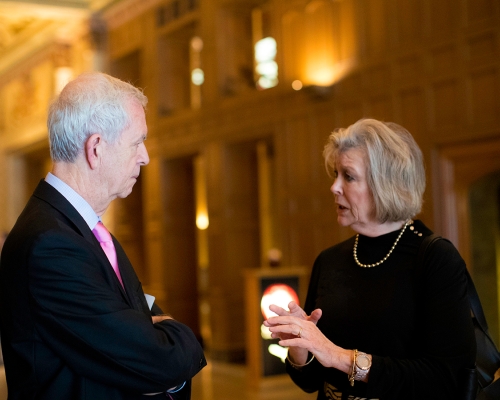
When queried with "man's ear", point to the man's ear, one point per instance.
{"points": [[94, 150]]}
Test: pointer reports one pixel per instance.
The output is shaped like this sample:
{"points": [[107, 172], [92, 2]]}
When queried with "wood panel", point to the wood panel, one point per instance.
{"points": [[375, 14], [126, 38], [445, 106], [180, 277], [293, 45], [483, 97], [411, 26], [444, 19], [479, 10]]}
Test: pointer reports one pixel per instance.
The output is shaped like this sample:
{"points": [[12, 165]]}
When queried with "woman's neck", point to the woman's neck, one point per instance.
{"points": [[374, 230]]}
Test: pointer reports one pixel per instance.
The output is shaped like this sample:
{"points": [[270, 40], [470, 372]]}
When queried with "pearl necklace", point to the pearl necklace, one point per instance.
{"points": [[355, 253]]}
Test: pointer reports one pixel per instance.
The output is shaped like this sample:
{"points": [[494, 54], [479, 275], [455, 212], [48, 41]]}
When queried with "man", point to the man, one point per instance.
{"points": [[75, 322]]}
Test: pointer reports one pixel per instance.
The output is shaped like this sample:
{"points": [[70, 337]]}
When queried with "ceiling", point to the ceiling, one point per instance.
{"points": [[26, 26]]}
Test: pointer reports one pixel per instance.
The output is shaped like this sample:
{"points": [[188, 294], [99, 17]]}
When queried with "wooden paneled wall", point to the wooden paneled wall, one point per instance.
{"points": [[432, 66]]}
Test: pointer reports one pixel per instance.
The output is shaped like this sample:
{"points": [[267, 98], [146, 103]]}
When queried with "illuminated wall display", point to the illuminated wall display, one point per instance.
{"points": [[197, 74], [279, 294], [279, 291], [266, 66]]}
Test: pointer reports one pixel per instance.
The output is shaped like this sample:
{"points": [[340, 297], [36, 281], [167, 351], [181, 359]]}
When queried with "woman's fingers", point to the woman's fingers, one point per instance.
{"points": [[292, 329], [296, 332], [282, 320], [315, 316], [311, 339], [278, 310]]}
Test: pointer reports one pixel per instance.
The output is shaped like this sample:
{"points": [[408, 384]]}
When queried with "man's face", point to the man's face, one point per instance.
{"points": [[124, 158]]}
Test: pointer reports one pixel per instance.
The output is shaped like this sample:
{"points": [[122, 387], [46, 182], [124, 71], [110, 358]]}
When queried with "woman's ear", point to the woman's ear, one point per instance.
{"points": [[93, 150]]}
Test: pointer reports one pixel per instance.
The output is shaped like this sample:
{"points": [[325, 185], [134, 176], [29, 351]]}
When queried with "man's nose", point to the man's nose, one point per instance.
{"points": [[144, 156]]}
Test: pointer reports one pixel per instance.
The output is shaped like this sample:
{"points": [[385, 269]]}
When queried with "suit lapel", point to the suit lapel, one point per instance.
{"points": [[50, 195], [130, 280]]}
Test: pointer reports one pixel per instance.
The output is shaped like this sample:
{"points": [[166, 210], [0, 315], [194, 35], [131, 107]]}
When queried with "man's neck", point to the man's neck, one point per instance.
{"points": [[83, 183]]}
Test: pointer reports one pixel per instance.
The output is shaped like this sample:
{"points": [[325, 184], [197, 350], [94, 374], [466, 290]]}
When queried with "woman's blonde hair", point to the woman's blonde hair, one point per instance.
{"points": [[394, 167]]}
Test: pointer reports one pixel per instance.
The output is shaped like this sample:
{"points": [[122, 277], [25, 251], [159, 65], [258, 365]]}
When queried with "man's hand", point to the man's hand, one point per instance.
{"points": [[161, 317]]}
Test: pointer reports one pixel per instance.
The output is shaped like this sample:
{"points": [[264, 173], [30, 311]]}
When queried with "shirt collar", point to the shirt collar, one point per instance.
{"points": [[77, 201]]}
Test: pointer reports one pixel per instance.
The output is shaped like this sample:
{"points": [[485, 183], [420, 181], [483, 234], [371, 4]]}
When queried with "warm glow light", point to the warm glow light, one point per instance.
{"points": [[326, 74], [323, 76], [278, 351], [296, 85], [265, 49], [266, 67], [197, 43], [266, 83], [62, 76], [279, 294], [202, 221], [197, 76], [265, 333]]}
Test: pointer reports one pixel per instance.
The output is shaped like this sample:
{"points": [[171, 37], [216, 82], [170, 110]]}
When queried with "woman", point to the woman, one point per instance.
{"points": [[377, 325]]}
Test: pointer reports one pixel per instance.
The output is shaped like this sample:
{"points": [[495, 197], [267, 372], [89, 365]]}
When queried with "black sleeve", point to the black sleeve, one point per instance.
{"points": [[94, 331], [156, 310], [445, 343]]}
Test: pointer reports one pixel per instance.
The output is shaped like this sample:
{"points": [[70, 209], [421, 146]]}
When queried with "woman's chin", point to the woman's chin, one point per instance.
{"points": [[343, 221]]}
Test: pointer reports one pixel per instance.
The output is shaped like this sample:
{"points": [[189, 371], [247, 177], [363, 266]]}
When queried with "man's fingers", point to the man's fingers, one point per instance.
{"points": [[159, 318]]}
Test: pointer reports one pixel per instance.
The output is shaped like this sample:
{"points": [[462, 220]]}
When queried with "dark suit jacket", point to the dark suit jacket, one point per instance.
{"points": [[68, 329]]}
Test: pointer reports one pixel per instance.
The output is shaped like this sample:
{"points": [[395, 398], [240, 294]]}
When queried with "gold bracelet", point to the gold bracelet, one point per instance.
{"points": [[297, 366], [351, 375]]}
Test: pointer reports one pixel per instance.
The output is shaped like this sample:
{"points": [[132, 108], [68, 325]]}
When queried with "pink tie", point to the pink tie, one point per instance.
{"points": [[104, 238]]}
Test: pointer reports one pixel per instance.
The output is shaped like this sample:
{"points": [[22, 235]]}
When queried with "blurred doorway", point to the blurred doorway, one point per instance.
{"points": [[467, 207], [484, 210]]}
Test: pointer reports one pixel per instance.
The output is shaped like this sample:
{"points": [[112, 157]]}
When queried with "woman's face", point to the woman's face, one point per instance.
{"points": [[355, 205]]}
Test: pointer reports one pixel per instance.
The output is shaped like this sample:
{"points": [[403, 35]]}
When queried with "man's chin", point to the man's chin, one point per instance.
{"points": [[125, 193]]}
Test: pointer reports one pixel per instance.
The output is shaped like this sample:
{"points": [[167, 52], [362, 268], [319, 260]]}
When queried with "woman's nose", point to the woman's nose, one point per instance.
{"points": [[336, 187]]}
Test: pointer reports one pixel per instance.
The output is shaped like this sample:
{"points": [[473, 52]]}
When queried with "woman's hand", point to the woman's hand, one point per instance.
{"points": [[295, 311], [299, 332], [296, 354]]}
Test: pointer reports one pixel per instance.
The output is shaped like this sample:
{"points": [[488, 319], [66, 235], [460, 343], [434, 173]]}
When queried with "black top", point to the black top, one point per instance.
{"points": [[414, 320]]}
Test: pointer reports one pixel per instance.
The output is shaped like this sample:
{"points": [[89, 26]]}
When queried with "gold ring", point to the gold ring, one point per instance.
{"points": [[300, 333]]}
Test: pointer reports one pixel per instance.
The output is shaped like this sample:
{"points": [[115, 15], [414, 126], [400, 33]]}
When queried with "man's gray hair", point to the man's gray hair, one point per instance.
{"points": [[92, 103]]}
